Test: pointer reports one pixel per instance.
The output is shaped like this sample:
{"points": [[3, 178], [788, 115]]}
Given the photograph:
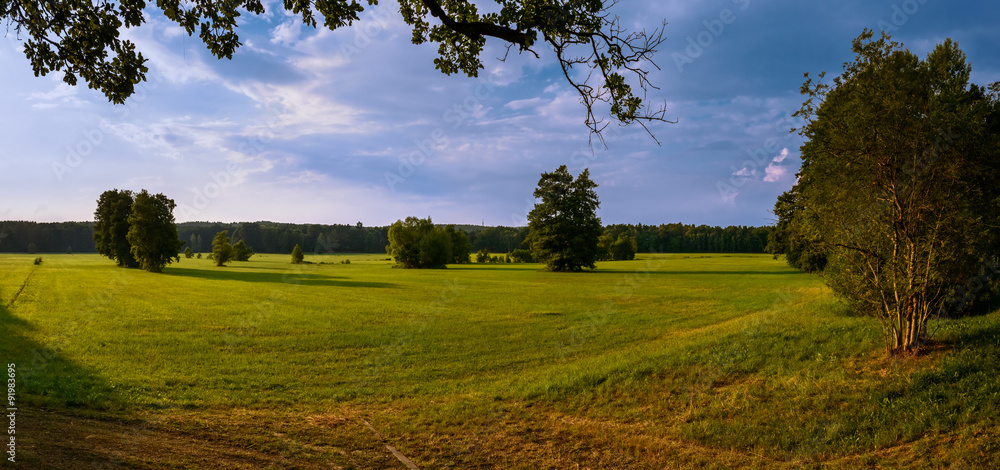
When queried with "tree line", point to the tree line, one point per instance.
{"points": [[274, 237]]}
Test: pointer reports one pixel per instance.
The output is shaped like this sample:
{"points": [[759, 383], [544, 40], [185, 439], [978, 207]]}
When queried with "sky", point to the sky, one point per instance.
{"points": [[356, 125]]}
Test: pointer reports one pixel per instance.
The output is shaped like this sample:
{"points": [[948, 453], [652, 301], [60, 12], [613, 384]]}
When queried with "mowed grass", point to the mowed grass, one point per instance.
{"points": [[663, 362]]}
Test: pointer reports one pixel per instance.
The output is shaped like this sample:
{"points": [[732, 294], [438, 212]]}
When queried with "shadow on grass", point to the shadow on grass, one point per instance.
{"points": [[224, 274], [644, 270], [639, 268], [44, 379], [960, 391]]}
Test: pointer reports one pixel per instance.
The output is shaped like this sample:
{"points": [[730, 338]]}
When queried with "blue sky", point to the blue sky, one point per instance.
{"points": [[312, 126]]}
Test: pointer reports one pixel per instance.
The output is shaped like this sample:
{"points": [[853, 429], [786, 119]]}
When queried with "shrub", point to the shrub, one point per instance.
{"points": [[242, 252], [38, 260], [521, 256]]}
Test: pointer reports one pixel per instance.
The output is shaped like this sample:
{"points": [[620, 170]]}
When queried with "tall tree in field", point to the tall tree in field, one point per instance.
{"points": [[152, 231], [222, 249], [899, 182], [564, 227], [297, 256], [82, 39], [111, 227]]}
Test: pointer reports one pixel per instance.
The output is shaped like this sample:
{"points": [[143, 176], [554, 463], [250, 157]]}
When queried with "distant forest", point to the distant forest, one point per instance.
{"points": [[273, 237]]}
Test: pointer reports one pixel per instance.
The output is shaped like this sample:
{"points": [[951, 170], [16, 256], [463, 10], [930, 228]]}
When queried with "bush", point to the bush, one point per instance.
{"points": [[188, 253], [38, 260], [297, 256], [483, 256], [521, 256], [417, 243], [199, 256], [242, 252], [346, 261]]}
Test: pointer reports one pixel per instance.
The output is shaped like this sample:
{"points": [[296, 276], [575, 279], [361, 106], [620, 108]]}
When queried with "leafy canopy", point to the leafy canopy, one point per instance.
{"points": [[417, 243], [222, 248], [82, 39], [111, 227], [898, 184], [152, 232], [564, 228]]}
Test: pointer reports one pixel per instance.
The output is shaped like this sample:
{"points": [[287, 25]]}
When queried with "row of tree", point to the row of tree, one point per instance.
{"points": [[273, 237]]}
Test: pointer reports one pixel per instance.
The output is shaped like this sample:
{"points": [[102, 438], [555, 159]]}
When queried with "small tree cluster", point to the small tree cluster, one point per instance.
{"points": [[417, 243], [521, 255], [224, 251], [616, 248], [242, 252], [136, 229], [484, 256]]}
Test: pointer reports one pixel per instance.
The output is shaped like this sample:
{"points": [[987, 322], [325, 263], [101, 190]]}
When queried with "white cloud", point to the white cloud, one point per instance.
{"points": [[175, 68], [287, 33], [775, 172], [61, 94], [521, 104]]}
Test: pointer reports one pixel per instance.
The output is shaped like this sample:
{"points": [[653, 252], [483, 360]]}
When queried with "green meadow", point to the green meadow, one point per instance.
{"points": [[667, 361]]}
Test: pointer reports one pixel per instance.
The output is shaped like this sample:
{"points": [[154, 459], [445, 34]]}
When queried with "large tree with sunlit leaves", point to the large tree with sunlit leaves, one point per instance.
{"points": [[898, 189]]}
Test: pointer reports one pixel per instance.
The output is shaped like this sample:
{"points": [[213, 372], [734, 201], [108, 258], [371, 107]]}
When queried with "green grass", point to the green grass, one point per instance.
{"points": [[666, 361]]}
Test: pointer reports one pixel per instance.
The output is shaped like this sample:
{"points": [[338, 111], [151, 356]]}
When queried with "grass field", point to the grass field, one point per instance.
{"points": [[663, 362]]}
